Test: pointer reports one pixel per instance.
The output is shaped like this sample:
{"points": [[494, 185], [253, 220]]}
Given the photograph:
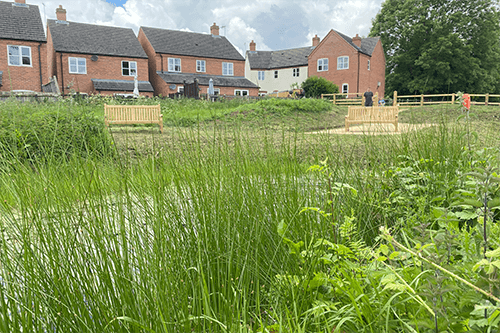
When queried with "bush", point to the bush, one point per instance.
{"points": [[285, 106], [315, 86]]}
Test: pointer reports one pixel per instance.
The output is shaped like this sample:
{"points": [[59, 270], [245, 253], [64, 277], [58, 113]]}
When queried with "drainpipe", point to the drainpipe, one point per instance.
{"points": [[62, 74], [357, 88], [161, 56], [40, 66]]}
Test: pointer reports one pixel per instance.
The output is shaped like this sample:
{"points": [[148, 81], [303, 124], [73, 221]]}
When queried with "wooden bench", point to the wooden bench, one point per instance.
{"points": [[372, 115], [133, 114]]}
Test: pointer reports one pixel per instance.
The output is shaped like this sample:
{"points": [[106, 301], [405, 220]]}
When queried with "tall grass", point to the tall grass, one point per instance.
{"points": [[185, 240]]}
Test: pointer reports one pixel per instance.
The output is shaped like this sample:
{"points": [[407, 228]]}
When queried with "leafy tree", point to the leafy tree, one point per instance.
{"points": [[440, 46], [315, 86]]}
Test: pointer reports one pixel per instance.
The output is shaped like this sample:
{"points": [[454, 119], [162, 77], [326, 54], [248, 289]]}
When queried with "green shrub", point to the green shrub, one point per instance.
{"points": [[285, 106], [315, 86]]}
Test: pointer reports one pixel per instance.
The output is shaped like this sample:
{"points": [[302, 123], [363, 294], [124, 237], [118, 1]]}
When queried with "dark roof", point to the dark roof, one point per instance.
{"points": [[121, 85], [73, 37], [279, 59], [367, 44], [1, 74], [220, 81], [191, 44], [20, 21]]}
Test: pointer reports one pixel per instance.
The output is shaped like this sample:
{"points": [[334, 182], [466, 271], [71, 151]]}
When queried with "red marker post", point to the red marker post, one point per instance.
{"points": [[466, 101]]}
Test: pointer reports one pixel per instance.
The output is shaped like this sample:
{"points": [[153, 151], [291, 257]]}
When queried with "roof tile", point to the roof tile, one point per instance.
{"points": [[220, 81], [21, 22]]}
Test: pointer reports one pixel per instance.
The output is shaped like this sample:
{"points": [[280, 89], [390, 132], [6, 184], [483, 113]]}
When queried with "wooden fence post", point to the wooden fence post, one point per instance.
{"points": [[422, 100], [453, 98], [486, 99], [376, 98], [395, 100], [334, 99]]}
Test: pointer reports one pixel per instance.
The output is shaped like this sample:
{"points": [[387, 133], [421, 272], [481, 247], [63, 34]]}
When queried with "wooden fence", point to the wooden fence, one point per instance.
{"points": [[413, 100]]}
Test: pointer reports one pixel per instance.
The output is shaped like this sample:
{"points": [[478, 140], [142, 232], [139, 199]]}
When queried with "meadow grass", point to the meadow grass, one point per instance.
{"points": [[178, 232]]}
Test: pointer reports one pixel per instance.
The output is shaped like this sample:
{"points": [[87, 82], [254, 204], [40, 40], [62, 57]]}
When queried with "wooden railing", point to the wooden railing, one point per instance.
{"points": [[412, 100], [349, 98], [432, 99]]}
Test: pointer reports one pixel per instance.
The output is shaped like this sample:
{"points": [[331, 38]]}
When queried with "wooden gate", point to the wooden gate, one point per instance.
{"points": [[191, 90]]}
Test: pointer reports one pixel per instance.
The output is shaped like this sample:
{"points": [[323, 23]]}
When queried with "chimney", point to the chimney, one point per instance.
{"points": [[214, 30], [21, 1], [357, 40], [316, 40], [252, 46], [61, 13]]}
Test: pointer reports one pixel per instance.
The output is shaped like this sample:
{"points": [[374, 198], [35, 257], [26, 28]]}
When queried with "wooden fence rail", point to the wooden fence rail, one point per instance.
{"points": [[413, 100]]}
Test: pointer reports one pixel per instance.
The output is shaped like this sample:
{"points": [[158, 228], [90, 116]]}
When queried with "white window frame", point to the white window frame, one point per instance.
{"points": [[216, 91], [19, 57], [78, 66], [132, 70], [227, 68], [174, 65], [345, 85], [241, 92], [368, 64], [275, 74], [261, 75], [179, 88], [201, 66], [343, 62], [323, 65], [296, 72]]}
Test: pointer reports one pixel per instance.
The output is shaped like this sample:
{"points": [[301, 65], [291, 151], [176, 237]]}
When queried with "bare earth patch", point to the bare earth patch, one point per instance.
{"points": [[375, 129]]}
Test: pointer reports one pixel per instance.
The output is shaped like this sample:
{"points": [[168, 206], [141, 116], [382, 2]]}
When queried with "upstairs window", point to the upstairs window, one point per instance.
{"points": [[19, 55], [343, 63], [129, 68], [261, 75], [296, 72], [275, 74], [227, 68], [174, 64], [200, 66], [322, 65], [77, 65]]}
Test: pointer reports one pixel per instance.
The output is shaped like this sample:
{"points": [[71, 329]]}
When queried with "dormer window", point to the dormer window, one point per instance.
{"points": [[174, 64], [19, 55]]}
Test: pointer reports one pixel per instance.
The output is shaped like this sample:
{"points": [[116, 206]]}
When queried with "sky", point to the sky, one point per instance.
{"points": [[272, 24]]}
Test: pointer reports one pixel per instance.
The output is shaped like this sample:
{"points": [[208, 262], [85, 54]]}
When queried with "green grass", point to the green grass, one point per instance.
{"points": [[178, 232]]}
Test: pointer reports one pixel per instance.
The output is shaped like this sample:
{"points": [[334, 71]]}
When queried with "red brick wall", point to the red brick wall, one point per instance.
{"points": [[23, 77], [153, 60], [106, 67], [334, 46], [212, 66]]}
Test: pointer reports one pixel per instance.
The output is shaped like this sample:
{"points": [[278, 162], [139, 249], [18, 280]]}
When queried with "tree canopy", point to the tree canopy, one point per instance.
{"points": [[440, 46]]}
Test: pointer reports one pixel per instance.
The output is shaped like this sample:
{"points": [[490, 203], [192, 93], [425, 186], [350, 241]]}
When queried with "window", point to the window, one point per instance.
{"points": [[368, 64], [77, 65], [296, 71], [216, 91], [322, 65], [261, 75], [19, 55], [129, 68], [343, 63], [275, 74], [200, 66], [174, 64], [227, 68], [345, 88], [238, 92], [180, 89]]}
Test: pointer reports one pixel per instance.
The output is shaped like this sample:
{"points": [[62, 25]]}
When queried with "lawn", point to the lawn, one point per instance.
{"points": [[247, 217]]}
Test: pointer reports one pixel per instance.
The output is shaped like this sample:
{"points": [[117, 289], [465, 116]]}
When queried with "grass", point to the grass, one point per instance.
{"points": [[178, 232]]}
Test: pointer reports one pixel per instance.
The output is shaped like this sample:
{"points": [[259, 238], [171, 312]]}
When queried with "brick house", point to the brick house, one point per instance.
{"points": [[95, 59], [23, 47], [354, 64], [277, 70], [176, 57]]}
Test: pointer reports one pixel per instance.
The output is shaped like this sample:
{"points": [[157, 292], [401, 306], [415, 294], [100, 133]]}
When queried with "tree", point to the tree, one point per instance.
{"points": [[315, 86], [440, 46]]}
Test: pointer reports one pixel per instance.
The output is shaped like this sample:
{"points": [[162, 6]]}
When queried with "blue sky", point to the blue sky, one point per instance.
{"points": [[272, 24]]}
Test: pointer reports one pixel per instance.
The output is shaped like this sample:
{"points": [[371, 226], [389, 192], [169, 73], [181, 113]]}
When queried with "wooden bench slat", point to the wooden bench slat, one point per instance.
{"points": [[133, 114], [372, 114]]}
